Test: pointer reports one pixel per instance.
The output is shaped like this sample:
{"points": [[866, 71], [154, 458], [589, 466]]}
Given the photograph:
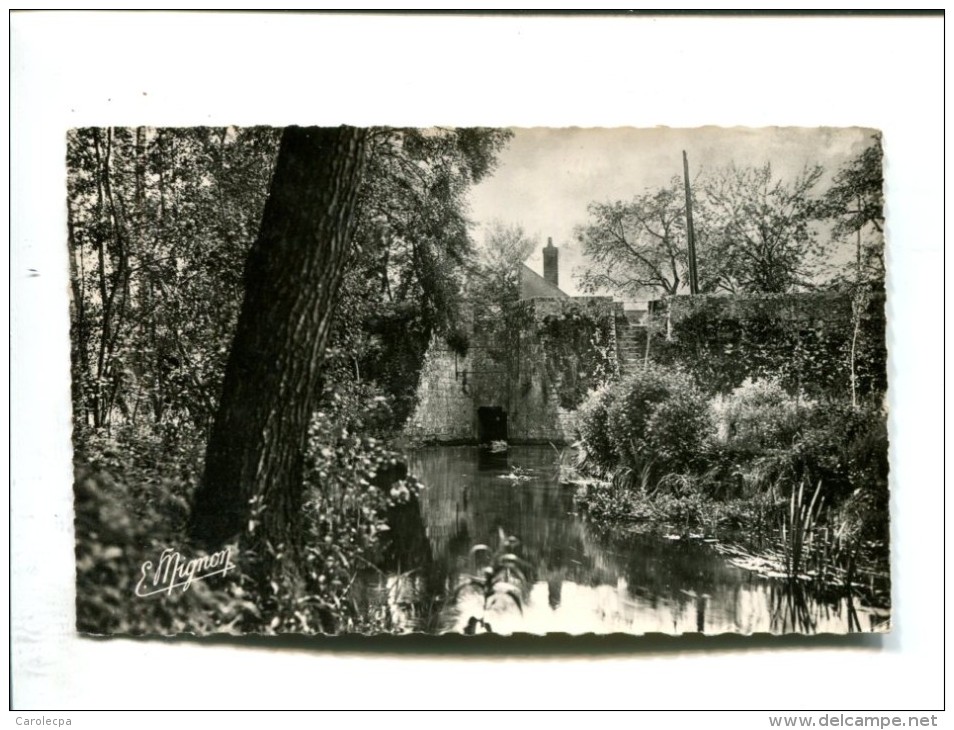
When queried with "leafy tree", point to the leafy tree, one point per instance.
{"points": [[505, 248], [413, 224], [408, 228], [855, 202], [856, 195], [637, 245], [754, 233], [412, 254], [496, 276], [162, 225], [159, 222], [760, 232]]}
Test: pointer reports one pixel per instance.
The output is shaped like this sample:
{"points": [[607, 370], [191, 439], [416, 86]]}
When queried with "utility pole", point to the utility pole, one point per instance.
{"points": [[693, 278]]}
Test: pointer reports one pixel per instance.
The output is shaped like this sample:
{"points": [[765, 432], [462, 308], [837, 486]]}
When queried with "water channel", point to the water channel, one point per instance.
{"points": [[580, 578]]}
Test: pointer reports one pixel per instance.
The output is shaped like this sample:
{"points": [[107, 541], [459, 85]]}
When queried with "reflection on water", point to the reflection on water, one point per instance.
{"points": [[579, 580]]}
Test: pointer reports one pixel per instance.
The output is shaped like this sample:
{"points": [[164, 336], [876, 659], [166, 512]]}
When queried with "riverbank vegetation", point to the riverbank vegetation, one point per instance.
{"points": [[760, 419], [795, 487]]}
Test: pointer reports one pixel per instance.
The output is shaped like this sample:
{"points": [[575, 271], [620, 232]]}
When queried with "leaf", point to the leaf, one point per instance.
{"points": [[471, 582], [519, 573], [509, 558], [510, 590]]}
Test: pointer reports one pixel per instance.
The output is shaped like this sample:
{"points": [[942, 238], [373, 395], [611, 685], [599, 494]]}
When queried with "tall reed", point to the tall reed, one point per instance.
{"points": [[798, 529]]}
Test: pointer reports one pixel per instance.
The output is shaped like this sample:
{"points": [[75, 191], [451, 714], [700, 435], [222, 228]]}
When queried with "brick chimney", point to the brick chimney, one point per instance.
{"points": [[551, 266]]}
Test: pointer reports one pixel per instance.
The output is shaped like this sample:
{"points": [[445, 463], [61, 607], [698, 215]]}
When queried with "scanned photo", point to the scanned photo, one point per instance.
{"points": [[478, 380]]}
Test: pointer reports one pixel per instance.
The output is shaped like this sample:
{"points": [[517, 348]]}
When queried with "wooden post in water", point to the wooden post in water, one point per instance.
{"points": [[693, 279]]}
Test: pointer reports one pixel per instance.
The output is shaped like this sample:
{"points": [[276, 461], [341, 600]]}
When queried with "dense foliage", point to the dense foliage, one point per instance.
{"points": [[739, 461], [413, 253], [820, 345], [654, 420], [160, 222], [759, 415], [160, 225], [346, 508], [133, 497], [132, 501], [579, 351]]}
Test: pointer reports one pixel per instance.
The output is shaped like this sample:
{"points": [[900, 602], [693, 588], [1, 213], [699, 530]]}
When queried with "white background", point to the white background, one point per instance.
{"points": [[162, 69]]}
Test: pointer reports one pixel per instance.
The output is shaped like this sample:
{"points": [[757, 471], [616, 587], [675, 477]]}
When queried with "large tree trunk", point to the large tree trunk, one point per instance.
{"points": [[253, 468]]}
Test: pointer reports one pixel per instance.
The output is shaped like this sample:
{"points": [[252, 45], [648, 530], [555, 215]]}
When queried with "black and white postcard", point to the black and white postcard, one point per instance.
{"points": [[540, 360], [382, 380]]}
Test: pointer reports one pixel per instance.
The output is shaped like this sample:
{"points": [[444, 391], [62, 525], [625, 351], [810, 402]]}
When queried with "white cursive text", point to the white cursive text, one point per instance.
{"points": [[174, 571]]}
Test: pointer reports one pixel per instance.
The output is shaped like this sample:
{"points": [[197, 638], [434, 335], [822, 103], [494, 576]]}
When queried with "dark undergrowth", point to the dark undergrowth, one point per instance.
{"points": [[133, 491]]}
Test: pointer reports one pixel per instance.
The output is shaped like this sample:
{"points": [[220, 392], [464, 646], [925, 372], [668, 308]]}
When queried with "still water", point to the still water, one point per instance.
{"points": [[579, 578]]}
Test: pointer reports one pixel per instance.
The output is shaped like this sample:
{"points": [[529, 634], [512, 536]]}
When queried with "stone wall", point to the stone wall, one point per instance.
{"points": [[452, 388], [537, 367], [445, 411], [540, 363], [561, 349], [806, 341]]}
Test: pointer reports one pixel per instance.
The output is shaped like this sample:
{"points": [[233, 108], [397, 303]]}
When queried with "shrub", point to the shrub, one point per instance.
{"points": [[759, 429], [122, 521], [132, 496], [596, 453], [846, 449], [659, 418], [771, 442], [680, 430], [760, 415], [349, 491], [606, 503]]}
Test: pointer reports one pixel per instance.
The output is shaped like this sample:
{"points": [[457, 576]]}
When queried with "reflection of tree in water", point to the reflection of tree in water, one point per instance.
{"points": [[422, 582], [413, 583], [681, 584], [470, 495], [694, 578], [798, 606], [686, 575]]}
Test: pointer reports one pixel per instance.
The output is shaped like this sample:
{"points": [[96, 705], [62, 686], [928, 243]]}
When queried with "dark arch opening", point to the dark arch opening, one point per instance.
{"points": [[491, 424]]}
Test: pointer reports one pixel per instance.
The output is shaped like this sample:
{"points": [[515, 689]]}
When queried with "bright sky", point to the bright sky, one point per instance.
{"points": [[546, 177]]}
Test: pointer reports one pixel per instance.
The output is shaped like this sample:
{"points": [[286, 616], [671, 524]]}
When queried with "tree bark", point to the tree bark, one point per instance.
{"points": [[253, 471]]}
